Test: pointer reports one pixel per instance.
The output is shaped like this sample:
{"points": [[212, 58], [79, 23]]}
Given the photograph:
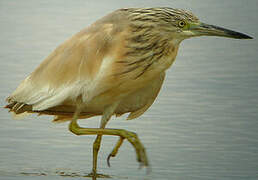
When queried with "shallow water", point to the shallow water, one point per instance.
{"points": [[203, 125]]}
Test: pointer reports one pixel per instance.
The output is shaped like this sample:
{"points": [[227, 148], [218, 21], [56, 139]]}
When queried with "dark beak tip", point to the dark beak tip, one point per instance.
{"points": [[238, 35], [249, 37], [220, 31], [244, 36]]}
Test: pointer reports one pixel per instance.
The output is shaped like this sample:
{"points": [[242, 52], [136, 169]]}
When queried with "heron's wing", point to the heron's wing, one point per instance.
{"points": [[81, 65]]}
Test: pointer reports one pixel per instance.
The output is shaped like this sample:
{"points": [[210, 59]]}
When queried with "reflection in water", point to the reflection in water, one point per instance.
{"points": [[77, 175], [33, 174], [67, 173], [70, 174]]}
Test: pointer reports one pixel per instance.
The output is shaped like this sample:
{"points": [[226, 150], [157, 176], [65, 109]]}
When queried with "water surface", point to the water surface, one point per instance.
{"points": [[203, 125]]}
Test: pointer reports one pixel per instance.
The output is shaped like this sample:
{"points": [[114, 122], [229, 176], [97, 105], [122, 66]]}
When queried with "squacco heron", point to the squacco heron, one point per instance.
{"points": [[115, 66]]}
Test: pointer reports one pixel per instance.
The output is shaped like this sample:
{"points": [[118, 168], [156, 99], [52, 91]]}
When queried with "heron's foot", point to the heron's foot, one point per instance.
{"points": [[123, 134], [115, 150], [98, 175], [135, 141]]}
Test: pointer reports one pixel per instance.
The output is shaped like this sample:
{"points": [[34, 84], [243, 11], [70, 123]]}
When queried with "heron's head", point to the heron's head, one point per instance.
{"points": [[182, 24]]}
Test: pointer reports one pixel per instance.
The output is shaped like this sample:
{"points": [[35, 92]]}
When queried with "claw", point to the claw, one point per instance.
{"points": [[115, 150], [108, 159]]}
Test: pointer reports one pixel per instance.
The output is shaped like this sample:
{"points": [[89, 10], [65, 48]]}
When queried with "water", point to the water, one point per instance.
{"points": [[203, 125]]}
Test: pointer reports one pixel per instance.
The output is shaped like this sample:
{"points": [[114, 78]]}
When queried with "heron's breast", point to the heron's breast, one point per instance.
{"points": [[168, 59]]}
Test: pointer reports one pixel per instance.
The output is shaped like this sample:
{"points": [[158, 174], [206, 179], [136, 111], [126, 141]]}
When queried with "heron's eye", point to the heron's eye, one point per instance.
{"points": [[181, 24]]}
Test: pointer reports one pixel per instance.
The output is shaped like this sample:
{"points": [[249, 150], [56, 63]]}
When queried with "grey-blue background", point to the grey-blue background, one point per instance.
{"points": [[203, 125]]}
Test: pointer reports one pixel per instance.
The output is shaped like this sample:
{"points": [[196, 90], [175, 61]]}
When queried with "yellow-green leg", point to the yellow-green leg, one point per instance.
{"points": [[123, 134], [96, 145], [115, 150], [130, 136]]}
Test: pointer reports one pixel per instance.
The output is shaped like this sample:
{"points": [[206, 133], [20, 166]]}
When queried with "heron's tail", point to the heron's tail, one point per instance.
{"points": [[17, 109]]}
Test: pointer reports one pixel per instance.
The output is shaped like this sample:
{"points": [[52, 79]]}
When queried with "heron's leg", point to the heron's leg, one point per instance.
{"points": [[130, 136], [109, 110], [115, 150], [96, 145]]}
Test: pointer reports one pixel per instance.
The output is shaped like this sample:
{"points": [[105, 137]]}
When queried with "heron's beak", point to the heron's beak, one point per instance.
{"points": [[202, 29]]}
